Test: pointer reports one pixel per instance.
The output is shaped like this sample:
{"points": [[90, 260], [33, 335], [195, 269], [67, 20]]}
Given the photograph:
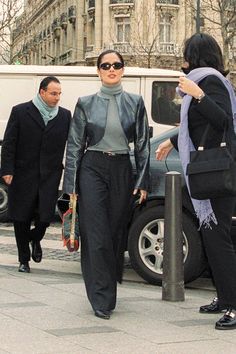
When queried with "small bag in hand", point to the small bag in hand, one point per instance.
{"points": [[211, 172]]}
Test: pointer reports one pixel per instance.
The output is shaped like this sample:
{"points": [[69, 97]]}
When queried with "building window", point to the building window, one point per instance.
{"points": [[165, 28], [123, 29]]}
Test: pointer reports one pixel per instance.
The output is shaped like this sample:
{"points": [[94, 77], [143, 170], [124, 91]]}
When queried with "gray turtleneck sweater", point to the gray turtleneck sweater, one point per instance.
{"points": [[114, 139]]}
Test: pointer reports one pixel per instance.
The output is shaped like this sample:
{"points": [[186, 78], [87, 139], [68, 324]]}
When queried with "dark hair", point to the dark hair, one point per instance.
{"points": [[46, 81], [201, 50], [108, 51]]}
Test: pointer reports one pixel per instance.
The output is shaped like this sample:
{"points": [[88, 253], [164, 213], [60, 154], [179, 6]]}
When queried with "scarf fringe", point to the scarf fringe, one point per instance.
{"points": [[206, 222]]}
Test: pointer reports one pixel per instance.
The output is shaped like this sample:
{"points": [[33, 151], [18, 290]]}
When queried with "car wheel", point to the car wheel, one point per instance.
{"points": [[3, 202], [145, 246]]}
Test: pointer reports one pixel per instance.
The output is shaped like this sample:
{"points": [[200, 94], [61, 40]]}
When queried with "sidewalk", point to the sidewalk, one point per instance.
{"points": [[47, 311]]}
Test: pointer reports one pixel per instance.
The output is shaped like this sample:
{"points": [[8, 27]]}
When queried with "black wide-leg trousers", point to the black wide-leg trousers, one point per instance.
{"points": [[24, 234], [105, 197], [220, 251]]}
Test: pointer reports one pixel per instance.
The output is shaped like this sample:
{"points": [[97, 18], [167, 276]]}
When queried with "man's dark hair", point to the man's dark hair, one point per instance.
{"points": [[109, 51], [46, 81], [202, 50]]}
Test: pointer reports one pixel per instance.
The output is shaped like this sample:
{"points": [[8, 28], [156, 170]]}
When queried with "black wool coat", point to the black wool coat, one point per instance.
{"points": [[33, 154]]}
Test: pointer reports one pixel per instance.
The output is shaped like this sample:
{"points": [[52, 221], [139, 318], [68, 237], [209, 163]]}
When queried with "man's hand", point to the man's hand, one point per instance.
{"points": [[7, 179]]}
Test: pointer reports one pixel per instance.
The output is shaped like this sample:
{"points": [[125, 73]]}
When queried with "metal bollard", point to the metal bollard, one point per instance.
{"points": [[173, 267]]}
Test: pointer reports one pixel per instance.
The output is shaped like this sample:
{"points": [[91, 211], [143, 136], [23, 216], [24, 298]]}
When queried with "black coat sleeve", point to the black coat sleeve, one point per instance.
{"points": [[174, 141], [215, 107]]}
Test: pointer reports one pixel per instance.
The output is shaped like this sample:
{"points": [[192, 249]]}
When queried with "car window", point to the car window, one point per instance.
{"points": [[165, 103]]}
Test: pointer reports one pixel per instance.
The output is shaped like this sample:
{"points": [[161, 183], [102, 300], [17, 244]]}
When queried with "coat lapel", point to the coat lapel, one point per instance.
{"points": [[126, 112], [35, 115], [53, 121]]}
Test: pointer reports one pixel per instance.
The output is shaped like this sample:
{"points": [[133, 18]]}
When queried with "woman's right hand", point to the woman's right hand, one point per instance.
{"points": [[163, 149]]}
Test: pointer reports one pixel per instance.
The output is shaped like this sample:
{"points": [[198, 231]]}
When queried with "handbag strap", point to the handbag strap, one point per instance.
{"points": [[204, 136]]}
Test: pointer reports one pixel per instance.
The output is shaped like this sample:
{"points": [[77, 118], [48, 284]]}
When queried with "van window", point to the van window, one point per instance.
{"points": [[165, 103]]}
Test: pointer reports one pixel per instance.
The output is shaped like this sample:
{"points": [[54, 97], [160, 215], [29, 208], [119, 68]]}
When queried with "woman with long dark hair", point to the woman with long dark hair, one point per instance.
{"points": [[209, 101], [98, 152]]}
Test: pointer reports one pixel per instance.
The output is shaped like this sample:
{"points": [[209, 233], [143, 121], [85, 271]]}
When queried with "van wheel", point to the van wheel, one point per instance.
{"points": [[145, 246], [3, 202]]}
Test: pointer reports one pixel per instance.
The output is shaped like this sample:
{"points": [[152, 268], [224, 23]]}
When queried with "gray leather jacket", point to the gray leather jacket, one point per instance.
{"points": [[88, 127]]}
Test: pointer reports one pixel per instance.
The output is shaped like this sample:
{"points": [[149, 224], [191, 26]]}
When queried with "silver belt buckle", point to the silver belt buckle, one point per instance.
{"points": [[109, 153]]}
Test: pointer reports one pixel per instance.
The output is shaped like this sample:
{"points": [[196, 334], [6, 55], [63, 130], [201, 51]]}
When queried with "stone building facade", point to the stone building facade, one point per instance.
{"points": [[148, 33], [49, 32]]}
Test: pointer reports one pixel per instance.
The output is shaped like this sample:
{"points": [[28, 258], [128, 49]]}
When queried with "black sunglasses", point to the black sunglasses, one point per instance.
{"points": [[107, 66]]}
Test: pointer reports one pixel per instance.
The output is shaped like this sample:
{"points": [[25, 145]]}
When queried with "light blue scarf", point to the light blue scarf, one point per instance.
{"points": [[202, 208], [47, 112]]}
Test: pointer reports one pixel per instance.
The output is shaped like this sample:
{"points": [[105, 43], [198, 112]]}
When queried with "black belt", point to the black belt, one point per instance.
{"points": [[109, 153]]}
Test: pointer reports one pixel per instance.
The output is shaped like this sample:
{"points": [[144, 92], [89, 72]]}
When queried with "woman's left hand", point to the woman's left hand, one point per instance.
{"points": [[189, 87], [143, 195]]}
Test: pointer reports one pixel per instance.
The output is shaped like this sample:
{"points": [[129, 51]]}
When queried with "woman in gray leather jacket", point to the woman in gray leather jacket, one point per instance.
{"points": [[98, 154]]}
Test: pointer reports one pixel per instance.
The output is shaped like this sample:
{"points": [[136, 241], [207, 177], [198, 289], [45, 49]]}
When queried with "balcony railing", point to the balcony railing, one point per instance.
{"points": [[169, 48], [167, 2], [162, 48], [124, 48], [121, 2]]}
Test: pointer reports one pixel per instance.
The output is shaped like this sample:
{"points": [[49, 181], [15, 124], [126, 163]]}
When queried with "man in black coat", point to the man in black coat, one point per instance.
{"points": [[31, 165]]}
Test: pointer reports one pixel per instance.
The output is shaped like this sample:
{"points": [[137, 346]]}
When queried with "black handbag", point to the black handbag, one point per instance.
{"points": [[211, 172]]}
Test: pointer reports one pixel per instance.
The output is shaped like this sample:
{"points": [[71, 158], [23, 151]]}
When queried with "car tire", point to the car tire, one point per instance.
{"points": [[3, 202], [145, 246]]}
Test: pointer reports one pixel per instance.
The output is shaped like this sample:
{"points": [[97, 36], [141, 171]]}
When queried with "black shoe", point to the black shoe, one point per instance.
{"points": [[228, 321], [37, 252], [24, 268], [104, 314], [211, 308]]}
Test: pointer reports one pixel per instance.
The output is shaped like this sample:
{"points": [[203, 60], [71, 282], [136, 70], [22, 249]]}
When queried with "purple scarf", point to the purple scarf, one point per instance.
{"points": [[203, 208]]}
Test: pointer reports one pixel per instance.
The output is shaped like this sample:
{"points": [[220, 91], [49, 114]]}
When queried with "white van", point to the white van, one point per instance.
{"points": [[20, 83]]}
